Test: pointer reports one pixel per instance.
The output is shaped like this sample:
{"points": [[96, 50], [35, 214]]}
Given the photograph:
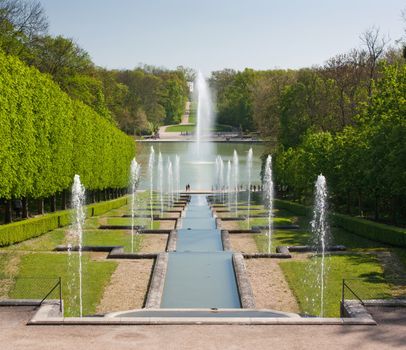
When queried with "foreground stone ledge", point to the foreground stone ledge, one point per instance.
{"points": [[243, 283], [156, 288], [199, 321], [267, 255], [225, 240]]}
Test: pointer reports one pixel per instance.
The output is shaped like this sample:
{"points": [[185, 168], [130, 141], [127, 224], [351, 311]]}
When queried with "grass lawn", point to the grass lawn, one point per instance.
{"points": [[302, 279], [4, 258], [45, 242], [281, 238], [192, 127], [112, 237], [34, 266], [181, 128]]}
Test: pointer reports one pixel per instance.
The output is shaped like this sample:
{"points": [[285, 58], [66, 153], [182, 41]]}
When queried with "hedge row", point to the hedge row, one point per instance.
{"points": [[47, 138], [20, 231], [365, 228], [372, 230], [296, 208]]}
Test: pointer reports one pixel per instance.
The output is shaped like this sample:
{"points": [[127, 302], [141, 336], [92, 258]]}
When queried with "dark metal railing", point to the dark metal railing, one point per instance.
{"points": [[42, 289]]}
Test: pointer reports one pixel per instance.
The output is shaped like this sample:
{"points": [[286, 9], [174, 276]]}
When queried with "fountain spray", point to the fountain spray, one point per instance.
{"points": [[161, 181], [78, 201], [235, 178], [321, 230], [269, 194], [249, 171], [151, 161], [134, 179]]}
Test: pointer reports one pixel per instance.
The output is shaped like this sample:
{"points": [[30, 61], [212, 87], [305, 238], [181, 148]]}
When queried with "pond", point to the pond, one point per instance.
{"points": [[199, 171]]}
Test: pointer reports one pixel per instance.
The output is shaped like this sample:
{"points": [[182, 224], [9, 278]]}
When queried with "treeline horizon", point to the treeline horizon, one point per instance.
{"points": [[137, 100], [345, 119]]}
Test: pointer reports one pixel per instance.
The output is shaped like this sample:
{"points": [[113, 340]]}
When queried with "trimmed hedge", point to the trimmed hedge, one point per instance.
{"points": [[372, 230], [47, 138], [296, 208], [20, 231], [361, 227]]}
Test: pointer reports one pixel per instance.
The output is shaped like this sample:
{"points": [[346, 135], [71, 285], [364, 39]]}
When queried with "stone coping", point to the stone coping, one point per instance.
{"points": [[225, 240], [307, 249], [49, 314], [356, 309], [114, 252], [243, 231], [233, 218], [243, 282], [266, 255], [276, 227], [156, 288], [46, 316], [172, 241]]}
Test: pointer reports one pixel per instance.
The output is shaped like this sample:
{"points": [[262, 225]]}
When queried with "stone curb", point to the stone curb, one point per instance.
{"points": [[242, 231], [156, 288], [198, 321], [114, 252], [233, 218], [243, 282], [172, 240], [308, 249], [354, 309], [225, 240], [276, 227], [266, 255]]}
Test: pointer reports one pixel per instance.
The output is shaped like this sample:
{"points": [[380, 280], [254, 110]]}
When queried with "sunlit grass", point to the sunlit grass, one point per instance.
{"points": [[302, 279]]}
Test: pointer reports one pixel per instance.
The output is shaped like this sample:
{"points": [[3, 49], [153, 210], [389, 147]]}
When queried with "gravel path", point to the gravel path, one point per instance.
{"points": [[271, 291], [153, 243], [128, 286], [243, 243]]}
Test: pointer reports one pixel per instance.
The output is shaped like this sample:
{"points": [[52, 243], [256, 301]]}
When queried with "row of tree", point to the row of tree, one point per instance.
{"points": [[47, 137], [137, 100], [365, 163], [345, 119]]}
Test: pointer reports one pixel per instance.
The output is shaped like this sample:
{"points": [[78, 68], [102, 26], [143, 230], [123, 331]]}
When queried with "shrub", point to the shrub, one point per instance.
{"points": [[20, 231], [361, 227]]}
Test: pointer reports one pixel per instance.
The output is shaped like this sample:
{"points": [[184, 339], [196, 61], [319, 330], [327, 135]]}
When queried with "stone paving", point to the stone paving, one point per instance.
{"points": [[389, 334]]}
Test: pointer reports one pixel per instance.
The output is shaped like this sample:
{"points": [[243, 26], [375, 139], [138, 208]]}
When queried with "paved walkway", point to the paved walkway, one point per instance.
{"points": [[185, 117], [14, 334]]}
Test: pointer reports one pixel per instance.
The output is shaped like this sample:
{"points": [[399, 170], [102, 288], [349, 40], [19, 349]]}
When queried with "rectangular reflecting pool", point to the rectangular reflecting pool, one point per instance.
{"points": [[200, 274], [200, 280], [199, 241]]}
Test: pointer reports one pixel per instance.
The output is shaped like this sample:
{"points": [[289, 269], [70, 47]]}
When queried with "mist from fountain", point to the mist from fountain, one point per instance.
{"points": [[249, 174], [177, 177], [229, 189], [236, 179], [79, 216], [269, 195], [222, 185], [134, 179], [151, 161], [321, 234], [170, 184]]}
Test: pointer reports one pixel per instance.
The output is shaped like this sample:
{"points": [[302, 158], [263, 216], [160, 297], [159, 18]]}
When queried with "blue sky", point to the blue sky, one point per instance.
{"points": [[216, 34]]}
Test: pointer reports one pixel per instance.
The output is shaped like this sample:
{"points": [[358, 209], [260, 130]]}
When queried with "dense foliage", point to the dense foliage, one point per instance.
{"points": [[46, 138], [27, 229], [345, 119], [137, 100], [365, 163]]}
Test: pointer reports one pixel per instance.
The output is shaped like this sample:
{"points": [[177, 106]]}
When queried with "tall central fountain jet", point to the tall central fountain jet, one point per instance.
{"points": [[204, 117]]}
